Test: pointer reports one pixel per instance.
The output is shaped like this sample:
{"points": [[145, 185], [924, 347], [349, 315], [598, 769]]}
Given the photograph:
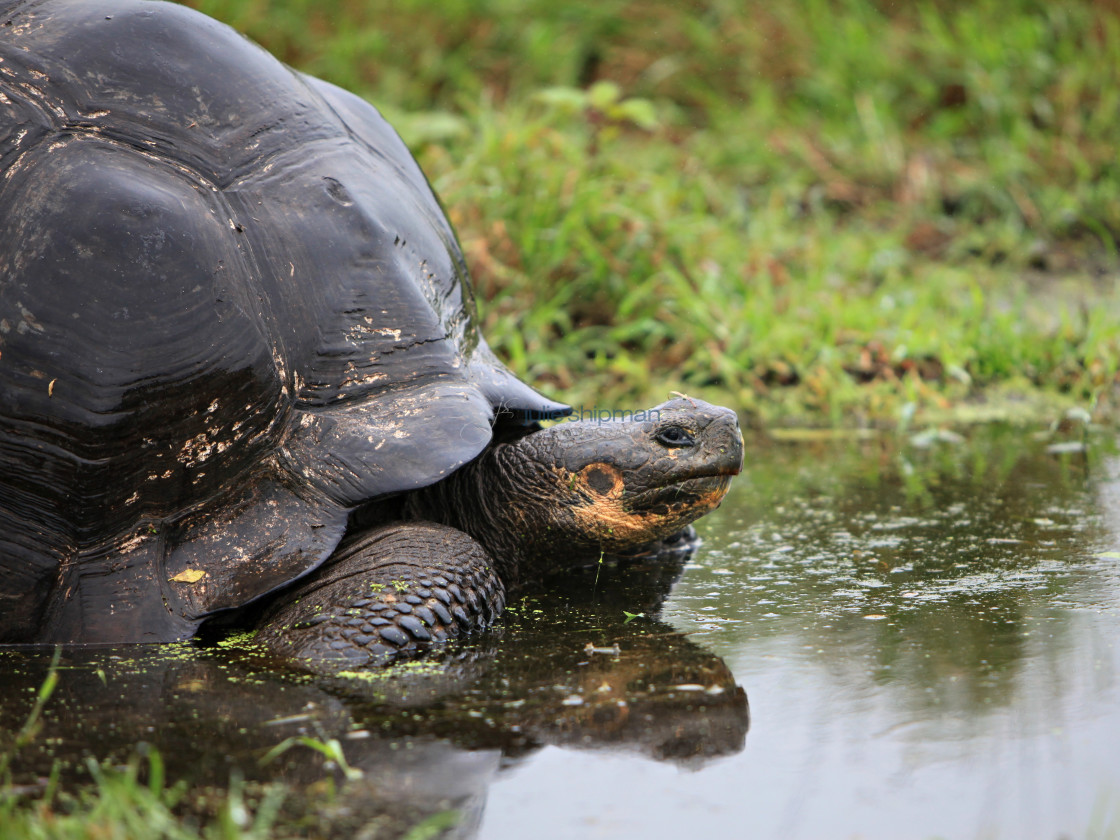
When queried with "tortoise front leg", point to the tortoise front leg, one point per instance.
{"points": [[395, 588]]}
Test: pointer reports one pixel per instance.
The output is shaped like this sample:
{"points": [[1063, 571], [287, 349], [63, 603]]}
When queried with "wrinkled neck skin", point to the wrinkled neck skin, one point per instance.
{"points": [[559, 498], [499, 499]]}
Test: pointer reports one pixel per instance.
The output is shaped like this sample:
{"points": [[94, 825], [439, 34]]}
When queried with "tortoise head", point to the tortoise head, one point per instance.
{"points": [[557, 498], [634, 477]]}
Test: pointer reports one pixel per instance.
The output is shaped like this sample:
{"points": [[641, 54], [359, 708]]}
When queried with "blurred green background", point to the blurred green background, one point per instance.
{"points": [[822, 212]]}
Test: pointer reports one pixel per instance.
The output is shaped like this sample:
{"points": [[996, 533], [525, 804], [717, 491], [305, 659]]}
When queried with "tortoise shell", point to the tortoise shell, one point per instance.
{"points": [[231, 310]]}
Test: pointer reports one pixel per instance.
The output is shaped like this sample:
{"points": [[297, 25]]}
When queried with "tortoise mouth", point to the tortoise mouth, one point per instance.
{"points": [[701, 475], [703, 490]]}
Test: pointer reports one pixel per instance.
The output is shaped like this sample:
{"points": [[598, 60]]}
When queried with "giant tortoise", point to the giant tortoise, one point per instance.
{"points": [[240, 360]]}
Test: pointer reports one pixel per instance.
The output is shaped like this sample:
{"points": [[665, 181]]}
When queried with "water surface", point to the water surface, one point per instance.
{"points": [[925, 629]]}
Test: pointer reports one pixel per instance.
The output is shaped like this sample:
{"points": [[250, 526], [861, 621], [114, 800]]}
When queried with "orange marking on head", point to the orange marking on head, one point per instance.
{"points": [[606, 518], [608, 521]]}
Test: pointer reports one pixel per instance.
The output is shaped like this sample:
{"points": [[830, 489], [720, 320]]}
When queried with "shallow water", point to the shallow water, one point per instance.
{"points": [[926, 630]]}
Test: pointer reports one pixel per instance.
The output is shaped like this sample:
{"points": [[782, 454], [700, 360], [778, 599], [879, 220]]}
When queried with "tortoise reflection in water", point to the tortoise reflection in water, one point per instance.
{"points": [[232, 314], [426, 739]]}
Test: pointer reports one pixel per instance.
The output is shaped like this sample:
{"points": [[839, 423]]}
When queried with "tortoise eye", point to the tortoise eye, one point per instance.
{"points": [[675, 436]]}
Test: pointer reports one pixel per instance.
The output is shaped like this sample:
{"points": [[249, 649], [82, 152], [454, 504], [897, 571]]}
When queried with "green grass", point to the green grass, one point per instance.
{"points": [[818, 212], [120, 803], [131, 803], [134, 798]]}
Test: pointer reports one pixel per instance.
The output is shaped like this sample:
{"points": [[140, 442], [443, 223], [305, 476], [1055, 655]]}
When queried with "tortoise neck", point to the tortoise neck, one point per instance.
{"points": [[510, 502]]}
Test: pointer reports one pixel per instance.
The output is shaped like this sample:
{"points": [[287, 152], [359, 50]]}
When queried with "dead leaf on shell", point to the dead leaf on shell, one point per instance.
{"points": [[189, 576]]}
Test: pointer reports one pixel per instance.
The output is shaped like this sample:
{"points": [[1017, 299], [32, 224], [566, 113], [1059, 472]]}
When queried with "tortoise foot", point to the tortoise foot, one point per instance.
{"points": [[396, 589]]}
